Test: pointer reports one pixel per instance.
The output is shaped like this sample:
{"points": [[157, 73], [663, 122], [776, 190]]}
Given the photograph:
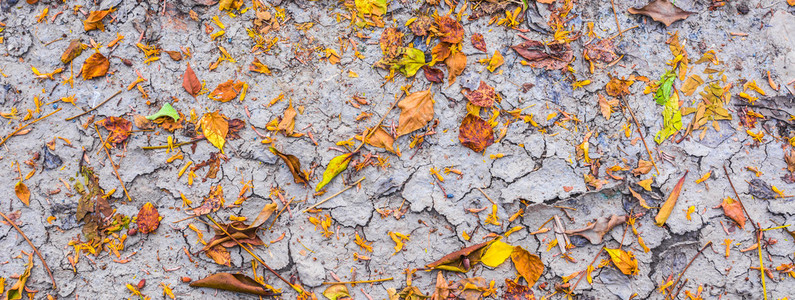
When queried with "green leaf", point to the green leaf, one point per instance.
{"points": [[166, 110], [496, 254], [665, 85], [334, 168], [672, 119], [412, 60]]}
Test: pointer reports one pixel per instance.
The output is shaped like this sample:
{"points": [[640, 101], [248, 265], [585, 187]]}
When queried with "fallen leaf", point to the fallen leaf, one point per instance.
{"points": [[640, 198], [495, 62], [478, 42], [214, 126], [484, 96], [440, 52], [663, 11], [602, 51], [287, 124], [293, 164], [646, 184], [148, 218], [605, 106], [618, 87], [624, 261], [528, 265], [211, 203], [175, 55], [264, 215], [411, 62], [119, 129], [16, 291], [535, 52], [672, 119], [734, 210], [382, 139], [496, 254], [416, 110], [337, 292], [421, 25], [227, 91], [433, 74], [596, 231], [165, 111], [190, 82], [236, 283], [334, 168], [455, 65], [691, 84], [72, 51], [644, 166], [515, 291], [668, 206], [442, 288], [461, 260], [94, 20], [95, 66], [475, 133], [450, 30], [23, 193], [257, 66]]}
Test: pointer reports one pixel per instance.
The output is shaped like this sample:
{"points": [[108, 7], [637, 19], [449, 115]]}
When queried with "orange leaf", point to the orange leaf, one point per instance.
{"points": [[95, 66], [475, 133], [484, 96], [450, 30], [190, 82], [119, 129], [94, 20], [73, 50], [734, 210], [148, 218], [668, 206], [416, 111], [455, 65], [211, 203], [23, 193], [234, 282], [528, 265], [226, 91], [287, 124]]}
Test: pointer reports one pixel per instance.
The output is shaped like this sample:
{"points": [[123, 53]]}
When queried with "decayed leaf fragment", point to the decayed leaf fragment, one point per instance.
{"points": [[94, 20], [293, 164], [606, 106], [475, 133], [190, 82], [516, 291], [734, 210], [74, 50], [535, 52], [527, 264], [668, 206], [433, 74], [236, 283], [148, 218], [663, 11], [416, 110], [211, 203], [461, 260], [596, 231], [450, 30], [624, 261], [215, 127], [23, 193], [334, 168], [226, 91], [120, 129], [16, 291], [495, 61], [95, 66], [287, 124], [484, 96]]}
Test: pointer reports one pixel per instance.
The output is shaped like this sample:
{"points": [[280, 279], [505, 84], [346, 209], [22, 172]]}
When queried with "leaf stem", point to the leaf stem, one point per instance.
{"points": [[26, 125], [115, 170], [95, 107], [335, 195], [44, 262]]}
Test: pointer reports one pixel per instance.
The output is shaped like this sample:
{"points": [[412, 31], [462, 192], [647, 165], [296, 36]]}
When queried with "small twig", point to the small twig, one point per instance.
{"points": [[487, 196], [335, 195], [642, 138], [622, 31], [738, 199], [173, 146], [32, 246], [26, 125], [111, 162], [95, 107], [360, 281], [616, 16], [673, 296], [370, 132], [571, 290]]}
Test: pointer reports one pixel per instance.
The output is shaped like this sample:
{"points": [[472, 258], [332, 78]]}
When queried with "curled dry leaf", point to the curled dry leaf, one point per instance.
{"points": [[484, 96], [456, 63], [668, 206], [433, 74], [74, 50], [264, 215], [334, 168], [596, 231], [734, 210], [215, 127], [148, 218], [461, 260], [663, 11], [220, 255], [119, 129], [243, 233], [337, 292], [17, 290], [227, 91], [95, 66], [236, 283], [478, 42], [528, 265], [211, 203], [606, 106], [416, 110], [535, 53], [293, 164], [644, 167], [624, 261], [639, 198], [23, 193], [475, 133], [190, 82], [287, 124], [94, 20]]}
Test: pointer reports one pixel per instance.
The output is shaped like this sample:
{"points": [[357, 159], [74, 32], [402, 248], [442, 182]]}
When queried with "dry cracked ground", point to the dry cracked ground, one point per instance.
{"points": [[557, 151]]}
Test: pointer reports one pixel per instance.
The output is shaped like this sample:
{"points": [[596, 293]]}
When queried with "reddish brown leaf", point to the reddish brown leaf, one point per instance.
{"points": [[602, 51], [461, 260], [190, 82], [293, 164], [226, 91], [663, 11], [478, 42], [484, 96], [557, 58], [119, 129], [148, 218], [450, 30], [474, 133], [95, 66], [175, 55], [421, 25], [235, 283], [211, 203], [433, 74], [515, 291]]}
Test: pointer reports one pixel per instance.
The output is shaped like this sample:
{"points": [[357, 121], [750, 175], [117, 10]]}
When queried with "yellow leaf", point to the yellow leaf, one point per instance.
{"points": [[95, 66], [416, 110], [335, 166], [398, 238], [624, 261], [528, 265], [495, 62], [215, 127], [23, 193], [705, 177], [646, 184], [668, 206], [496, 254], [15, 292], [337, 292]]}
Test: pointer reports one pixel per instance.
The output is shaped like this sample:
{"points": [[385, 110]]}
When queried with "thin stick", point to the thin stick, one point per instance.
{"points": [[252, 253], [761, 264], [95, 107], [571, 290], [26, 125], [370, 132], [616, 16], [673, 296], [335, 195], [642, 138], [111, 163], [360, 281], [44, 262], [174, 145], [738, 199], [487, 196]]}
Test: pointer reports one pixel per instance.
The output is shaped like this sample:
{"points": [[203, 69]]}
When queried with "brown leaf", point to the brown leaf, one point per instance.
{"points": [[143, 123], [450, 30], [211, 203], [442, 289], [734, 210], [557, 58], [461, 260], [234, 282], [148, 218], [440, 52], [605, 106], [455, 65], [95, 66], [287, 124], [484, 96], [421, 25], [668, 206], [478, 42], [644, 167], [663, 11], [596, 231], [264, 215], [528, 265], [94, 20], [474, 133], [639, 197], [789, 157], [235, 126], [175, 55], [416, 110], [381, 139], [515, 291], [74, 50], [433, 74], [190, 82], [220, 255], [602, 51], [243, 233], [226, 91], [293, 164], [618, 87], [23, 193], [119, 129]]}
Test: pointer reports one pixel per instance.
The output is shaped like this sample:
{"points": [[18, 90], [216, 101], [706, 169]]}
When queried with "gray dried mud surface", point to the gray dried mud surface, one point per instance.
{"points": [[532, 168]]}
